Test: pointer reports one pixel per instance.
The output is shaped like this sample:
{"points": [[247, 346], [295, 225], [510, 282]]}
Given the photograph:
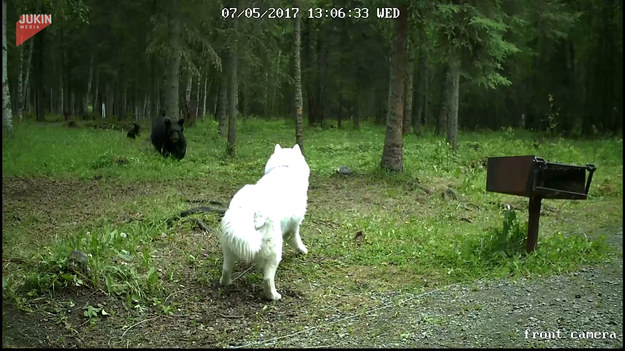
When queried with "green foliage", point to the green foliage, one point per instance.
{"points": [[411, 225], [476, 36], [507, 242]]}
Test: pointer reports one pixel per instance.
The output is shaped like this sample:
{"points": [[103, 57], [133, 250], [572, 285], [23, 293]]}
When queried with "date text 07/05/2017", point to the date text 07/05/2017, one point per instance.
{"points": [[294, 12]]}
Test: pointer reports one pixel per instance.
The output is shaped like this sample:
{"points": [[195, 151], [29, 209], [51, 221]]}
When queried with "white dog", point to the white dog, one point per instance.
{"points": [[260, 216]]}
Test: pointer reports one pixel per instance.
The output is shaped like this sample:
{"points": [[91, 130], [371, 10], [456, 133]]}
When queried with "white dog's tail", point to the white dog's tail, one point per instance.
{"points": [[241, 231]]}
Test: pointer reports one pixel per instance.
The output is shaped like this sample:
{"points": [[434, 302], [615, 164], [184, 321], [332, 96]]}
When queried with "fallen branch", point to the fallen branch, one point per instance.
{"points": [[229, 316], [202, 209], [239, 276], [136, 324], [203, 226]]}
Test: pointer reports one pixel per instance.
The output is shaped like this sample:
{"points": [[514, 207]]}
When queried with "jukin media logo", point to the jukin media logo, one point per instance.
{"points": [[29, 25]]}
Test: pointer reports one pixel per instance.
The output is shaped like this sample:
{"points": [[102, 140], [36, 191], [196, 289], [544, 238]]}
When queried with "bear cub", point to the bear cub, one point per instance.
{"points": [[134, 132]]}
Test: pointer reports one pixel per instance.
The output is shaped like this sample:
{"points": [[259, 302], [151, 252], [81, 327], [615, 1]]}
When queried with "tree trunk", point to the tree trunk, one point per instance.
{"points": [[7, 119], [356, 118], [153, 110], [299, 103], [407, 123], [38, 77], [204, 96], [390, 87], [265, 96], [173, 65], [233, 99], [61, 106], [64, 100], [96, 97], [274, 84], [136, 104], [186, 108], [146, 104], [421, 94], [392, 155], [197, 96], [106, 101], [187, 91], [89, 81], [122, 103], [453, 96], [222, 106], [20, 81], [26, 83], [444, 110]]}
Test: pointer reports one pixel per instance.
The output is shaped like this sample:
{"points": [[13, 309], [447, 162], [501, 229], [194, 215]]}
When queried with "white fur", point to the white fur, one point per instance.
{"points": [[260, 216]]}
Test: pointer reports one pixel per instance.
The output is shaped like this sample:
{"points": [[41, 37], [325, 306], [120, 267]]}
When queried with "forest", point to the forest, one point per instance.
{"points": [[538, 65], [129, 127]]}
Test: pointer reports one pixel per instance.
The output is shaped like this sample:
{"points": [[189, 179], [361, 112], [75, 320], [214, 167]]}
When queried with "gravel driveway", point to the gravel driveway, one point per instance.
{"points": [[582, 309]]}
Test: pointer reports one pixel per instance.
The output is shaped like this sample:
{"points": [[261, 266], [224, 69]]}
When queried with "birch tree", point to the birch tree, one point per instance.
{"points": [[299, 103], [7, 119]]}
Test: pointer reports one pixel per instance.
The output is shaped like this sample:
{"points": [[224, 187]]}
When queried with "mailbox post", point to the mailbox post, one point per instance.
{"points": [[537, 179]]}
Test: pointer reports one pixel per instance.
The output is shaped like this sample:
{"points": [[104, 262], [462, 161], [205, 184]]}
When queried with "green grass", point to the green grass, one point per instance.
{"points": [[411, 237]]}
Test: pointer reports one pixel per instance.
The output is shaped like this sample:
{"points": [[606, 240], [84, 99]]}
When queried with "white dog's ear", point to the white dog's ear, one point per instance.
{"points": [[278, 148], [296, 147]]}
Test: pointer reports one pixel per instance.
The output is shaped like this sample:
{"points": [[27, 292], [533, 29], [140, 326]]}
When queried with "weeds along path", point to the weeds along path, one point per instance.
{"points": [[328, 301]]}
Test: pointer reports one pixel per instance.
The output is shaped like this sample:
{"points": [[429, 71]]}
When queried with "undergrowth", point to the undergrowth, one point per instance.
{"points": [[433, 222]]}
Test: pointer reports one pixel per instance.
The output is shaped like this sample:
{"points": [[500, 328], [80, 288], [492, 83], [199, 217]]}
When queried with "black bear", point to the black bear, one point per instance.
{"points": [[167, 137], [134, 132]]}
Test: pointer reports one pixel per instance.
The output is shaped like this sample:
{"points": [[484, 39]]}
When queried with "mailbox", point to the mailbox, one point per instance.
{"points": [[533, 177]]}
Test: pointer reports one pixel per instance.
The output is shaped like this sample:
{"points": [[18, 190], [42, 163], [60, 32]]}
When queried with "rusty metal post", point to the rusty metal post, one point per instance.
{"points": [[532, 225]]}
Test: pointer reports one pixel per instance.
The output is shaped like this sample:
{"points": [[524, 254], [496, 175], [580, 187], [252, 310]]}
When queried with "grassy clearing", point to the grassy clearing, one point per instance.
{"points": [[432, 224]]}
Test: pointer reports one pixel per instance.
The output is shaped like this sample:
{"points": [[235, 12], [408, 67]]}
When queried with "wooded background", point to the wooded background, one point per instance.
{"points": [[542, 65]]}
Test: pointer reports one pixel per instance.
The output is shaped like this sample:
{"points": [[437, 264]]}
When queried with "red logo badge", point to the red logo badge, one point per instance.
{"points": [[30, 25]]}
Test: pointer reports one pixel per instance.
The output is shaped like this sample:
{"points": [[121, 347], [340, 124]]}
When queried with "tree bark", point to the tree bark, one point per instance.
{"points": [[205, 95], [40, 104], [20, 81], [89, 81], [187, 91], [222, 106], [274, 84], [299, 103], [187, 108], [122, 103], [392, 155], [197, 96], [146, 104], [7, 119], [173, 66], [96, 97], [444, 110], [26, 83], [233, 99], [61, 107], [153, 111], [407, 123], [356, 116], [421, 94], [453, 97]]}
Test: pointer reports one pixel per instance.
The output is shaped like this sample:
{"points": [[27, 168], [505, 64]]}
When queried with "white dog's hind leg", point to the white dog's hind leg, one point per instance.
{"points": [[226, 273], [269, 282], [295, 241]]}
